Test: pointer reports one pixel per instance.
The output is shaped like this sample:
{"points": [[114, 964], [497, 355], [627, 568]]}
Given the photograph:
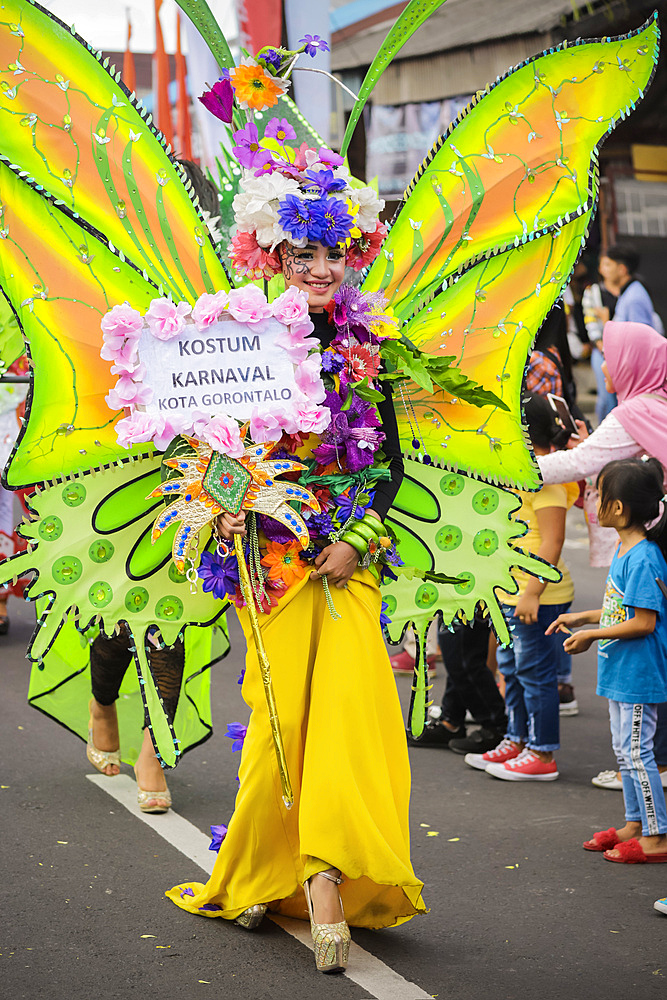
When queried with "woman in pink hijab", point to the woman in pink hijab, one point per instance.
{"points": [[635, 367]]}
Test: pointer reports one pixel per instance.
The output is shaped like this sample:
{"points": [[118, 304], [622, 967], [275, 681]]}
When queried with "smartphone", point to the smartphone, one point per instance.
{"points": [[563, 413]]}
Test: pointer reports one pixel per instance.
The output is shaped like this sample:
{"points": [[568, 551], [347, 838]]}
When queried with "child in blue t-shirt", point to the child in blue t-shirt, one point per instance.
{"points": [[632, 652]]}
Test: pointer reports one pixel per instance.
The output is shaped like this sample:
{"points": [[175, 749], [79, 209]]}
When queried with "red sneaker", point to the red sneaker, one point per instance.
{"points": [[403, 663], [526, 767], [505, 750]]}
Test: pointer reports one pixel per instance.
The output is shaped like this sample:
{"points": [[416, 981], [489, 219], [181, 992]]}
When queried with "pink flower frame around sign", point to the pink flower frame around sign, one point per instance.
{"points": [[304, 413]]}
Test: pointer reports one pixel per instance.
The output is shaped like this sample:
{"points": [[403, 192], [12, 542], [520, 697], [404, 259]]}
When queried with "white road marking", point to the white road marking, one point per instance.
{"points": [[365, 969]]}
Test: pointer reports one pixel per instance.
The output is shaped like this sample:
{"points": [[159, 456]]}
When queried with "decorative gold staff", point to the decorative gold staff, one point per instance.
{"points": [[213, 483]]}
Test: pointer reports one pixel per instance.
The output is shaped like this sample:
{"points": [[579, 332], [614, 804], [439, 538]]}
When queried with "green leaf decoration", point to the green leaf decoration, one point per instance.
{"points": [[202, 17]]}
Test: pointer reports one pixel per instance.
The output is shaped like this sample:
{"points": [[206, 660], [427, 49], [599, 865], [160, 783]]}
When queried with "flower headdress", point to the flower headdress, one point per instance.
{"points": [[287, 194]]}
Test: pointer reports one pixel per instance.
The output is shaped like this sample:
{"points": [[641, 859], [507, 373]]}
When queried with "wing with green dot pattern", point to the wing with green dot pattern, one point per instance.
{"points": [[90, 547]]}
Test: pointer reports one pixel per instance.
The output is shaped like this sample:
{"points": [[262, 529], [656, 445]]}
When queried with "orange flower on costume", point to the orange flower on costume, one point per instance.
{"points": [[254, 88], [283, 562]]}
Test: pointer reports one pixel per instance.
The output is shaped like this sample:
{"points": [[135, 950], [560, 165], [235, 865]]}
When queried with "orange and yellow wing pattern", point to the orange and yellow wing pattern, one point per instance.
{"points": [[67, 122], [489, 231], [60, 280]]}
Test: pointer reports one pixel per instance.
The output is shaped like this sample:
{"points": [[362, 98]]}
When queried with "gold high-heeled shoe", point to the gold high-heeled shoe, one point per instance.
{"points": [[252, 917], [100, 759], [144, 797], [331, 941]]}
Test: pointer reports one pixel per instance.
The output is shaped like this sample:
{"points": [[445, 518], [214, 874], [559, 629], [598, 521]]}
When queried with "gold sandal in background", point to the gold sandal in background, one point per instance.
{"points": [[100, 758], [332, 941], [252, 917]]}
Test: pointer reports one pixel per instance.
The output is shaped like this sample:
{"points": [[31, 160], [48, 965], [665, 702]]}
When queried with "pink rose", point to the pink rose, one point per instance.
{"points": [[296, 342], [207, 309], [167, 428], [136, 428], [248, 304], [127, 392], [222, 434], [266, 425], [308, 378], [123, 352], [120, 322], [166, 319], [303, 416], [292, 307]]}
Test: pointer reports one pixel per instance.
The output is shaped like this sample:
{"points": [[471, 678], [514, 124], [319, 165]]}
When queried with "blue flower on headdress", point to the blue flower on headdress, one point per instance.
{"points": [[325, 181], [384, 620], [301, 218], [336, 221], [272, 58], [314, 44]]}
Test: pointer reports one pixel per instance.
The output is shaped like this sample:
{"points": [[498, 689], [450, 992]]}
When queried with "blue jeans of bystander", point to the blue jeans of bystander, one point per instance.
{"points": [[632, 733], [530, 668]]}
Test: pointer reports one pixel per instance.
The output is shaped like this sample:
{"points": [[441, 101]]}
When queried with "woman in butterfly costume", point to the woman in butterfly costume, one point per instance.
{"points": [[94, 213]]}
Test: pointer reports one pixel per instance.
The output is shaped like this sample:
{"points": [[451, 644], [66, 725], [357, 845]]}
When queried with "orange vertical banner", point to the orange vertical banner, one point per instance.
{"points": [[162, 107], [129, 73], [183, 124]]}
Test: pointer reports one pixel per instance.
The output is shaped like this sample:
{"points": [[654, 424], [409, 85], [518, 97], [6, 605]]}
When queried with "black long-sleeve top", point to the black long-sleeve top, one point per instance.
{"points": [[385, 489]]}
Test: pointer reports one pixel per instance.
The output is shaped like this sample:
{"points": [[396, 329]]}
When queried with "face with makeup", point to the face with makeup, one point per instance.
{"points": [[316, 269]]}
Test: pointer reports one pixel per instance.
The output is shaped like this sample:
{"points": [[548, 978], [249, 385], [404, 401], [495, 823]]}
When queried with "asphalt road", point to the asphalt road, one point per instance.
{"points": [[518, 909]]}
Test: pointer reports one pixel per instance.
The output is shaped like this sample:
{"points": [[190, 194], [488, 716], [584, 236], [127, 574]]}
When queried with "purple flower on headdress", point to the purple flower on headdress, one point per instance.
{"points": [[336, 221], [314, 44], [302, 218], [280, 130], [218, 834], [324, 180], [328, 156], [384, 620], [272, 58], [248, 152], [236, 732], [219, 100], [220, 576]]}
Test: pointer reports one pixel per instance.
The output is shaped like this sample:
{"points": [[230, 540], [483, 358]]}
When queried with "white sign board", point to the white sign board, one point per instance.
{"points": [[228, 368]]}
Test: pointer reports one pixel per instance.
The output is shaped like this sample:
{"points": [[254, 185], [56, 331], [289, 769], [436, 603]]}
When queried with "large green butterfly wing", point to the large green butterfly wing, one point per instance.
{"points": [[518, 166]]}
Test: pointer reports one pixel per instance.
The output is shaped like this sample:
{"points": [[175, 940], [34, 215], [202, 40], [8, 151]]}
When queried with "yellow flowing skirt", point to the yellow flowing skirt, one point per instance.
{"points": [[347, 757]]}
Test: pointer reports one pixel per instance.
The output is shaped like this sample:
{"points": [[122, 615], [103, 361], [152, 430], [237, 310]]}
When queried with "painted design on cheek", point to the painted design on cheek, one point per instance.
{"points": [[292, 264]]}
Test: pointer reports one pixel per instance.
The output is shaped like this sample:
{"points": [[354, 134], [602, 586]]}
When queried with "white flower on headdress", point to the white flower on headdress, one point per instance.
{"points": [[256, 206], [370, 207]]}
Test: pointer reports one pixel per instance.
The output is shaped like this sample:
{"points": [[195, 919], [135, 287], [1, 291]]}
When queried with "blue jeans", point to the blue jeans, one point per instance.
{"points": [[632, 732], [606, 401], [531, 668]]}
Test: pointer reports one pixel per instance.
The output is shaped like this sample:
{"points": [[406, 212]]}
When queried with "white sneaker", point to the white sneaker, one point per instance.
{"points": [[608, 779], [660, 905]]}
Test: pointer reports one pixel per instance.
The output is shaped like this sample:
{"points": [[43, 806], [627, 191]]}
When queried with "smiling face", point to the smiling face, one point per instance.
{"points": [[316, 269]]}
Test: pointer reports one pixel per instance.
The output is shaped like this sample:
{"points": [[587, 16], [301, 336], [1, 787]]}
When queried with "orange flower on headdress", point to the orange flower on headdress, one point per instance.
{"points": [[254, 88], [283, 562]]}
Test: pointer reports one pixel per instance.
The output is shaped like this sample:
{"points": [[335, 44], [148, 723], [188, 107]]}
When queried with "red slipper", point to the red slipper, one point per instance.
{"points": [[632, 853], [604, 840]]}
